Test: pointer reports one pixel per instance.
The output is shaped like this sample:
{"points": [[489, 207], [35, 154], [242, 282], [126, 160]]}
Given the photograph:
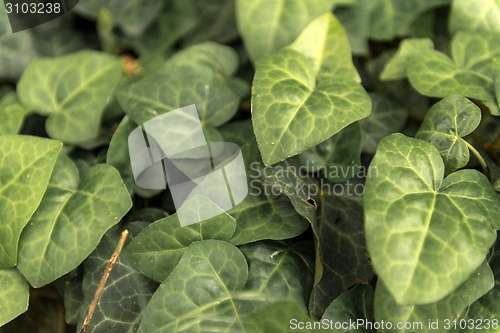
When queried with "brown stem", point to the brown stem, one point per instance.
{"points": [[102, 283]]}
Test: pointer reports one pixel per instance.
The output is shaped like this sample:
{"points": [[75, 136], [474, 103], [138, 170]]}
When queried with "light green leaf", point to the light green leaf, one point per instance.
{"points": [[343, 260], [26, 164], [159, 247], [126, 294], [396, 67], [74, 214], [351, 306], [133, 16], [388, 116], [12, 114], [268, 25], [198, 295], [324, 43], [391, 18], [290, 111], [73, 97], [496, 78], [475, 15], [14, 296], [388, 309], [118, 156], [444, 126], [337, 157], [425, 235]]}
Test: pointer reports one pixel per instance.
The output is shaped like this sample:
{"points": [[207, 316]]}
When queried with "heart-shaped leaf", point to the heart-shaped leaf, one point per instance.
{"points": [[198, 294], [475, 15], [449, 308], [444, 126], [73, 97], [268, 25], [295, 106], [26, 164], [15, 294], [396, 67], [425, 235], [159, 247], [74, 214]]}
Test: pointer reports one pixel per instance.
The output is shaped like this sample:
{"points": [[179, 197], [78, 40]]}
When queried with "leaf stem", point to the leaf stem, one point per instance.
{"points": [[102, 283], [486, 170]]}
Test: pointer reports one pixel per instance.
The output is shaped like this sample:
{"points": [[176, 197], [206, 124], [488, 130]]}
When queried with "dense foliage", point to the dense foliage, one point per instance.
{"points": [[370, 131]]}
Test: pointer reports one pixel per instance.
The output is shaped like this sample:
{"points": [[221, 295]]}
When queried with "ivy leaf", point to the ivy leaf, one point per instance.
{"points": [[73, 97], [475, 15], [388, 310], [388, 116], [126, 294], [352, 305], [444, 126], [199, 75], [448, 225], [158, 248], [469, 74], [15, 294], [396, 67], [133, 16], [18, 50], [198, 294], [355, 19], [343, 256], [304, 113], [391, 18], [26, 164], [267, 26], [496, 78], [12, 114], [340, 152], [74, 214]]}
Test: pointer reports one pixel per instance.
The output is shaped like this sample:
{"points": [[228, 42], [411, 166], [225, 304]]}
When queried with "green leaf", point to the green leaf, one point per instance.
{"points": [[351, 306], [18, 50], [133, 16], [388, 309], [337, 157], [268, 25], [496, 78], [391, 18], [74, 214], [444, 126], [356, 21], [26, 164], [290, 111], [198, 75], [118, 156], [475, 15], [448, 228], [278, 271], [73, 97], [159, 247], [198, 295], [126, 294], [396, 67], [388, 116], [73, 295], [14, 296], [280, 317], [12, 114], [343, 260]]}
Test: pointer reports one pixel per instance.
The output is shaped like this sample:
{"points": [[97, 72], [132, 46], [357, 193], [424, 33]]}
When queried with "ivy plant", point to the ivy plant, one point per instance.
{"points": [[369, 137]]}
